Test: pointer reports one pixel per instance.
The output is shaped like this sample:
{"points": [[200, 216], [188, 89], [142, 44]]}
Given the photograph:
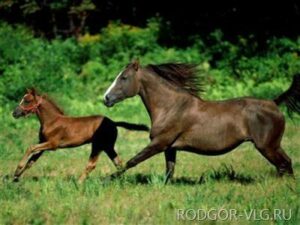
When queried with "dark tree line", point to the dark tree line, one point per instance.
{"points": [[180, 19]]}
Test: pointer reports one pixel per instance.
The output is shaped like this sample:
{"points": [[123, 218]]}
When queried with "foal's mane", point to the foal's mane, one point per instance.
{"points": [[182, 75], [50, 100], [53, 103]]}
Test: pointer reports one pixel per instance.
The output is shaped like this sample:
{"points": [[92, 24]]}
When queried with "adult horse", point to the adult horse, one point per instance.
{"points": [[181, 120]]}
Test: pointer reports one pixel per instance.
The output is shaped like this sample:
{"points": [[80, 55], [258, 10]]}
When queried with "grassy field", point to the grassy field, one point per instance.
{"points": [[48, 193]]}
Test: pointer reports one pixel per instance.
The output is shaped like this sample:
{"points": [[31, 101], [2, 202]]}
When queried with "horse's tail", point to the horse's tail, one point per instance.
{"points": [[131, 126], [291, 97]]}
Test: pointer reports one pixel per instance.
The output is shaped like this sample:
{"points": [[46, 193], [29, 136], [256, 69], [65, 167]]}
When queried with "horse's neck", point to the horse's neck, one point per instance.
{"points": [[47, 112], [158, 96]]}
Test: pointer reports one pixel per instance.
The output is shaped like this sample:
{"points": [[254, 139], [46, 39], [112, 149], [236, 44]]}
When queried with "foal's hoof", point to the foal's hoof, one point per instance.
{"points": [[81, 180], [16, 179]]}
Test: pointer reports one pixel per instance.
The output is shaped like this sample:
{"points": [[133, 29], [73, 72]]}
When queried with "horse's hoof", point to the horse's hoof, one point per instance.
{"points": [[113, 176], [117, 174], [106, 180]]}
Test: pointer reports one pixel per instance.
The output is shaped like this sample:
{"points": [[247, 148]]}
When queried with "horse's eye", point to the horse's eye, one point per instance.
{"points": [[123, 78]]}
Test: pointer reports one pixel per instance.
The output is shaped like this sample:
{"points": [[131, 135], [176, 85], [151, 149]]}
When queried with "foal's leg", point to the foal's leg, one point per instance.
{"points": [[279, 159], [91, 163], [112, 154], [170, 156], [32, 154], [33, 159]]}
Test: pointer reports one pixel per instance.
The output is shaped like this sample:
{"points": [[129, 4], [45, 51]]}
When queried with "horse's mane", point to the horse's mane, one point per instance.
{"points": [[182, 75]]}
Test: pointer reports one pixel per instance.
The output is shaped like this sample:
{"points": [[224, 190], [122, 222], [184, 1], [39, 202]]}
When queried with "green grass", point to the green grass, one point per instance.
{"points": [[48, 193]]}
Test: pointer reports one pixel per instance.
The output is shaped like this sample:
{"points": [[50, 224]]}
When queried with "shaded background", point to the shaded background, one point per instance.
{"points": [[61, 45], [180, 19]]}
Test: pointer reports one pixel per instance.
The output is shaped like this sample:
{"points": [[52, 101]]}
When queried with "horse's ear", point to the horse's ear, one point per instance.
{"points": [[136, 64]]}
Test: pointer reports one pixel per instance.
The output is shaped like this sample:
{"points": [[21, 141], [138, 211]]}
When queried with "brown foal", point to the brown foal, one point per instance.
{"points": [[60, 131], [181, 120]]}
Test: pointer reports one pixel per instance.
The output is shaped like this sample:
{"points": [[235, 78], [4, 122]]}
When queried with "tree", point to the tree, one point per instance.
{"points": [[44, 15]]}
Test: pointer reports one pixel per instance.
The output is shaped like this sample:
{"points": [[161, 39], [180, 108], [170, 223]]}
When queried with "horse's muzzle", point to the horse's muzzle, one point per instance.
{"points": [[108, 102]]}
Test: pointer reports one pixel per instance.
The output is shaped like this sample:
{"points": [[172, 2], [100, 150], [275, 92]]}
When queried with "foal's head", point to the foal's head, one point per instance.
{"points": [[124, 86], [29, 104]]}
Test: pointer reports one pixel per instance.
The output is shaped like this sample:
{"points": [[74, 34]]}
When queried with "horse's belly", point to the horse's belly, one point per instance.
{"points": [[210, 143]]}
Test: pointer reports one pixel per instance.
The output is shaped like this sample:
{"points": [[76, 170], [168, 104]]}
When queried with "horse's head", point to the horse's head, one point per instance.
{"points": [[125, 85], [29, 104]]}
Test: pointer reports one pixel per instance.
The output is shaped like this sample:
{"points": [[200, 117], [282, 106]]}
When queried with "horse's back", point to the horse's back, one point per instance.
{"points": [[219, 126], [247, 105], [247, 102], [258, 115]]}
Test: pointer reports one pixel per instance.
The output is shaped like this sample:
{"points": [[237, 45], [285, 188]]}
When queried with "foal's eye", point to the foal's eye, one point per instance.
{"points": [[123, 78]]}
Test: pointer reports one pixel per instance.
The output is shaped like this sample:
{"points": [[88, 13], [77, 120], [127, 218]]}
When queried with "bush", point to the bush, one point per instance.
{"points": [[92, 62]]}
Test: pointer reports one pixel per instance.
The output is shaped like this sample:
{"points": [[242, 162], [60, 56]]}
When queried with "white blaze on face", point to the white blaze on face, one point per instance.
{"points": [[112, 85], [22, 100]]}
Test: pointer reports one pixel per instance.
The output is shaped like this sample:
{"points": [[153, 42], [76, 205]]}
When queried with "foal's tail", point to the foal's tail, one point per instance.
{"points": [[291, 97], [131, 126]]}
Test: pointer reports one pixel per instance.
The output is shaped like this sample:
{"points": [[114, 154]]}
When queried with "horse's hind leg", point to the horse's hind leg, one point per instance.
{"points": [[286, 164], [267, 131], [92, 162], [279, 159], [170, 156]]}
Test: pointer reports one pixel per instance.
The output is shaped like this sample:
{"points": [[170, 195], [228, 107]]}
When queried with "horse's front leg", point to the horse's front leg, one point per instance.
{"points": [[170, 156], [156, 146], [31, 152], [33, 159]]}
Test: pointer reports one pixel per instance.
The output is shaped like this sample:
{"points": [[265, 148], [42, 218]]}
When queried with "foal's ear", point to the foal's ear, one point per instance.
{"points": [[136, 64], [31, 91]]}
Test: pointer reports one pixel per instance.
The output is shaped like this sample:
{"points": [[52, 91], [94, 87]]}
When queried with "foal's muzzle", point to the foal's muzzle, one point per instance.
{"points": [[18, 112]]}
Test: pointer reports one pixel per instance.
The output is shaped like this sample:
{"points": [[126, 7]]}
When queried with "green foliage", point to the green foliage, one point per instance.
{"points": [[122, 42], [93, 60]]}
